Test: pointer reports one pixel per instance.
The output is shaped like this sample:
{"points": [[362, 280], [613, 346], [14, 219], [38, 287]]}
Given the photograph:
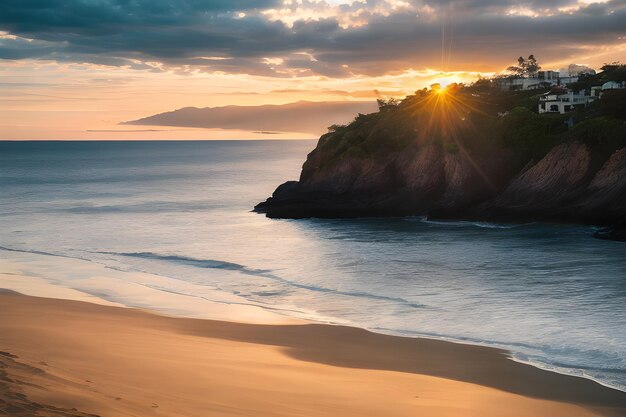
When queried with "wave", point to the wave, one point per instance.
{"points": [[519, 352], [148, 207], [482, 225], [200, 263], [263, 273], [212, 300], [229, 266], [602, 376], [37, 252]]}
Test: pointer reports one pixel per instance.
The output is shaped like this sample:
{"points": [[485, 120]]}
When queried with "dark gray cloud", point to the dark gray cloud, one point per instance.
{"points": [[212, 36]]}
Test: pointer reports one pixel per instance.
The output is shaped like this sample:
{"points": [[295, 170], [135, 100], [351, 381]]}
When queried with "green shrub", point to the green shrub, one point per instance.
{"points": [[601, 131], [530, 133]]}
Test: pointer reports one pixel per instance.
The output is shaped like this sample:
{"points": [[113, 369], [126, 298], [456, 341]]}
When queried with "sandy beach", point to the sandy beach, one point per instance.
{"points": [[73, 358]]}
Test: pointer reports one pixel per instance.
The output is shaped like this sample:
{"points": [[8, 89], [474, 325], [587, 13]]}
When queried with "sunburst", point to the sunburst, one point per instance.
{"points": [[444, 115]]}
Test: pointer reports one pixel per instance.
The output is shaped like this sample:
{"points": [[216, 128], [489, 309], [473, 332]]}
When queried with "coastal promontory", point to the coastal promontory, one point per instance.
{"points": [[473, 152]]}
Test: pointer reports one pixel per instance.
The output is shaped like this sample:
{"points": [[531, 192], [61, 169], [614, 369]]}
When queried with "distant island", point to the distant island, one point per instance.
{"points": [[302, 116], [497, 150]]}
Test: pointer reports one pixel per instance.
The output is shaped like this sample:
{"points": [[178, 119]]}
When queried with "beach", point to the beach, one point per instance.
{"points": [[74, 358]]}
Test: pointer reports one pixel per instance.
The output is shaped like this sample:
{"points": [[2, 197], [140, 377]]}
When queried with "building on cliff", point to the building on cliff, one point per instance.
{"points": [[542, 79], [613, 85], [562, 101]]}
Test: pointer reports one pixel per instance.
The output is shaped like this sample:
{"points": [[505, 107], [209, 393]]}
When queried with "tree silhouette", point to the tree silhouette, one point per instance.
{"points": [[525, 66]]}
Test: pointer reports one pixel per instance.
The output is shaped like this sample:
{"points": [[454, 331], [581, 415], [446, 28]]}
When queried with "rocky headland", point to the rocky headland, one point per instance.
{"points": [[468, 153]]}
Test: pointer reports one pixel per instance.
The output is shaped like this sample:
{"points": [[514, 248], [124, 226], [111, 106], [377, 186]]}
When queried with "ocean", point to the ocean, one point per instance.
{"points": [[552, 294]]}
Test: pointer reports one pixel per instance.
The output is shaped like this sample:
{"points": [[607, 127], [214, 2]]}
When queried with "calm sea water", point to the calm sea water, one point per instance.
{"points": [[552, 294]]}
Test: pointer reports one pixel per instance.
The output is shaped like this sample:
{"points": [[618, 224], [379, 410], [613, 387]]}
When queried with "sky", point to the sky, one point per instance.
{"points": [[75, 69]]}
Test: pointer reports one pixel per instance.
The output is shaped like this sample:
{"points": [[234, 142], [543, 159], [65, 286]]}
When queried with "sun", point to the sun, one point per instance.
{"points": [[443, 111]]}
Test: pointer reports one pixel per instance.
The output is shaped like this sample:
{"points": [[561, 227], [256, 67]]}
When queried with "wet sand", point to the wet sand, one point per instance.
{"points": [[73, 358]]}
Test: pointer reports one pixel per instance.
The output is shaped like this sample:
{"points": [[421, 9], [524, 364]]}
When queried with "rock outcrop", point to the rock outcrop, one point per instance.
{"points": [[569, 184]]}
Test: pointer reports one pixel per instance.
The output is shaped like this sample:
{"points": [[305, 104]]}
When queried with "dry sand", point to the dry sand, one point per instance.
{"points": [[72, 358]]}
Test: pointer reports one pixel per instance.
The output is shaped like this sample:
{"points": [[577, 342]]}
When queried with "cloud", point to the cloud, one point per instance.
{"points": [[291, 39], [360, 94]]}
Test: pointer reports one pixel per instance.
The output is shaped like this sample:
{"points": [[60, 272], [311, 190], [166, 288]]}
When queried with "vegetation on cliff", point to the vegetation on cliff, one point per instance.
{"points": [[480, 118]]}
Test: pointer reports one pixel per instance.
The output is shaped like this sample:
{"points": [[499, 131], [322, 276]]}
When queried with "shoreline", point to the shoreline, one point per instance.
{"points": [[82, 341], [89, 277], [511, 355]]}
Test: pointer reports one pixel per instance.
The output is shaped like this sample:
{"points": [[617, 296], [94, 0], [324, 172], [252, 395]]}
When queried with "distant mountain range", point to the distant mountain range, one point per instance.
{"points": [[302, 116]]}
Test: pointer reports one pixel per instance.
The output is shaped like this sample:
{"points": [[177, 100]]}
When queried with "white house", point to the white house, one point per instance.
{"points": [[565, 100], [562, 102], [538, 80], [613, 85], [548, 76]]}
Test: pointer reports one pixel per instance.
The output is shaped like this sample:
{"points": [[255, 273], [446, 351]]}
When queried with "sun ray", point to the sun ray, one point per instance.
{"points": [[443, 115]]}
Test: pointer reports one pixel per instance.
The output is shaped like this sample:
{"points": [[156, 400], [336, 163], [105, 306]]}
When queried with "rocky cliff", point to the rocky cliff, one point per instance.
{"points": [[570, 177]]}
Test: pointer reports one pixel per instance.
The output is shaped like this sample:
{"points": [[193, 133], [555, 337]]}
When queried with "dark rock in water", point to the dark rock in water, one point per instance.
{"points": [[617, 233], [293, 201]]}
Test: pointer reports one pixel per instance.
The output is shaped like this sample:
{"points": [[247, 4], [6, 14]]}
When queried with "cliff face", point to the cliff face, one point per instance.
{"points": [[418, 180], [546, 190], [606, 193], [570, 183]]}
